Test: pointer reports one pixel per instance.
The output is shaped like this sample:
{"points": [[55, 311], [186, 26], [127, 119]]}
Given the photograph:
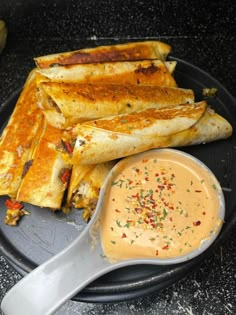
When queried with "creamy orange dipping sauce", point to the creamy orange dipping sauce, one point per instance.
{"points": [[162, 206]]}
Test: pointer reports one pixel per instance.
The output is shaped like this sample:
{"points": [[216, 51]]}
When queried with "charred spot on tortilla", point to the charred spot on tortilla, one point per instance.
{"points": [[55, 64], [147, 70], [81, 142], [26, 167]]}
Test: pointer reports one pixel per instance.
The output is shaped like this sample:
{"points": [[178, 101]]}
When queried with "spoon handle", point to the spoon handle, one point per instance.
{"points": [[51, 284]]}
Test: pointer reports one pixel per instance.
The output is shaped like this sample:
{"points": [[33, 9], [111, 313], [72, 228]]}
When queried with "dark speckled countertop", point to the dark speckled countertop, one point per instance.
{"points": [[202, 33]]}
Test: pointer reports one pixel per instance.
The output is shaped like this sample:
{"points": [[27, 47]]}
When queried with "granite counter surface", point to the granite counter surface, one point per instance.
{"points": [[203, 35]]}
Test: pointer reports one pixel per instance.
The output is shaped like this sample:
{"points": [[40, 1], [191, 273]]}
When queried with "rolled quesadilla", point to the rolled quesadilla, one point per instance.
{"points": [[146, 72], [78, 173], [120, 52], [18, 137], [85, 184], [47, 170], [66, 104], [118, 136]]}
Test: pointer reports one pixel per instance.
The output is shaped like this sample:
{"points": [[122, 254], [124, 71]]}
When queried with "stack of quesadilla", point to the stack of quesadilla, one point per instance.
{"points": [[89, 108]]}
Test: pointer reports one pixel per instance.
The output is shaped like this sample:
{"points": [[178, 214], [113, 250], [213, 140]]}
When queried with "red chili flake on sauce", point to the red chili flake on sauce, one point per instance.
{"points": [[198, 191], [123, 235], [204, 213], [197, 223], [157, 253], [117, 210], [146, 178], [156, 174], [171, 219], [145, 160], [165, 247], [135, 196]]}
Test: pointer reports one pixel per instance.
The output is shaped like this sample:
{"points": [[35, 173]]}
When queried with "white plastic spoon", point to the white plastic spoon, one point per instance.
{"points": [[51, 284]]}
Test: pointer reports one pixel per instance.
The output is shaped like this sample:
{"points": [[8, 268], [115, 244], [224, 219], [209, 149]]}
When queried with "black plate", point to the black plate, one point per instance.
{"points": [[43, 233]]}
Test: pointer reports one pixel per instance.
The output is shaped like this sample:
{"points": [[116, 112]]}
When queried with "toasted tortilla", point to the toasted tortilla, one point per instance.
{"points": [[115, 137], [79, 172], [85, 184], [18, 137], [145, 72], [66, 104], [42, 184], [120, 52]]}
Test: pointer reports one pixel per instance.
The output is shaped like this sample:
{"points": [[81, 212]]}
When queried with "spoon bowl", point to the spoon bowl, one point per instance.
{"points": [[51, 284]]}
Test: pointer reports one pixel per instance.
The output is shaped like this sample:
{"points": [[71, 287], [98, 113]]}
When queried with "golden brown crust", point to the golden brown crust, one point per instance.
{"points": [[121, 52], [42, 185], [17, 138], [141, 120]]}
